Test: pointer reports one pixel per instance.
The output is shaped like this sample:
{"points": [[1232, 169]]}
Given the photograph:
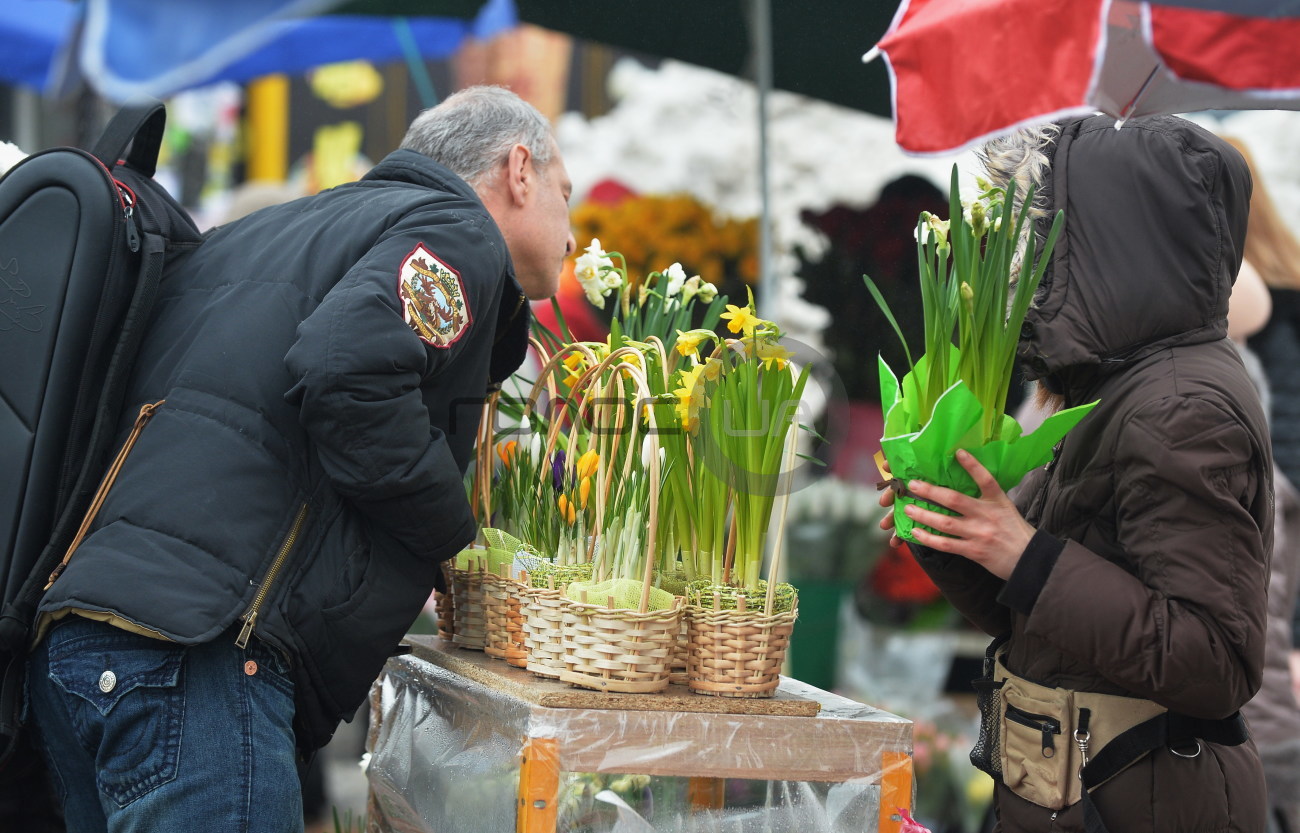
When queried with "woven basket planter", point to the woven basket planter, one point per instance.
{"points": [[503, 634], [516, 650], [469, 617], [609, 649], [737, 653], [543, 621], [678, 668], [443, 606]]}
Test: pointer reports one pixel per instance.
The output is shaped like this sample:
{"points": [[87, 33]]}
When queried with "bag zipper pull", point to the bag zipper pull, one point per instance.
{"points": [[128, 208], [1049, 745]]}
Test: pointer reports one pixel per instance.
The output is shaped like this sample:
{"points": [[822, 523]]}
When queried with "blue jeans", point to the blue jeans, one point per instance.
{"points": [[143, 735]]}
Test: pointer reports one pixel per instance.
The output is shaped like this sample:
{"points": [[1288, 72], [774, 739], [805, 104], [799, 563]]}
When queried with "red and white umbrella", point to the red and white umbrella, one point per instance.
{"points": [[966, 70]]}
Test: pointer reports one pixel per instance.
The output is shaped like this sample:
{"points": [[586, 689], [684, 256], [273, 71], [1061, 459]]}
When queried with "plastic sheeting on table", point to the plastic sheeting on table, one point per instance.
{"points": [[445, 756]]}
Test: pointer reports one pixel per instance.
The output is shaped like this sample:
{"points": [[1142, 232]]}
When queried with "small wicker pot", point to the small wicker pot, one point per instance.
{"points": [[503, 637], [543, 620], [610, 649], [737, 653], [679, 666], [516, 650], [443, 606], [469, 620]]}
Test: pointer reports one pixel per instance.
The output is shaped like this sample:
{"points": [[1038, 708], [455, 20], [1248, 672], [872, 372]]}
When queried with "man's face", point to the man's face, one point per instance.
{"points": [[544, 237]]}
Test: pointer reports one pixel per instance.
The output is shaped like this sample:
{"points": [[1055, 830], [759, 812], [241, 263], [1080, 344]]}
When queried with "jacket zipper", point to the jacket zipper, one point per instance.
{"points": [[1047, 725], [142, 419], [250, 616]]}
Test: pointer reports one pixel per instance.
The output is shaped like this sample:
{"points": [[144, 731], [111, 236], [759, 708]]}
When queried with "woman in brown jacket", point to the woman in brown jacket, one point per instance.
{"points": [[1134, 565]]}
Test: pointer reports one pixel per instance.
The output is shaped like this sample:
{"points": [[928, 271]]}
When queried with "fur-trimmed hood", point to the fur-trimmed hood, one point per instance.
{"points": [[1166, 218]]}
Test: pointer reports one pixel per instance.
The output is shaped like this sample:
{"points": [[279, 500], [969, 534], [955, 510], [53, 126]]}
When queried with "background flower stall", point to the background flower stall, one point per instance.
{"points": [[580, 581]]}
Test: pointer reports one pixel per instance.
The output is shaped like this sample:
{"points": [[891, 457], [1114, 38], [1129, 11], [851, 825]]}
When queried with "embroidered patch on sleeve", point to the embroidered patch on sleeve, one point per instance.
{"points": [[433, 298]]}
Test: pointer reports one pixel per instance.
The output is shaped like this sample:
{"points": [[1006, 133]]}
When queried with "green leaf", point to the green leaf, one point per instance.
{"points": [[889, 316]]}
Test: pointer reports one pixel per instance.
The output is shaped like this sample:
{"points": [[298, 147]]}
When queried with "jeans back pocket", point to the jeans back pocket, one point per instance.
{"points": [[124, 697]]}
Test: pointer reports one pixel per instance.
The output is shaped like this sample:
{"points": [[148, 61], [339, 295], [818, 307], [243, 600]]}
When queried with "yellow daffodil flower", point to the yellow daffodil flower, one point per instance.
{"points": [[574, 364], [741, 319], [690, 397], [688, 342], [769, 353]]}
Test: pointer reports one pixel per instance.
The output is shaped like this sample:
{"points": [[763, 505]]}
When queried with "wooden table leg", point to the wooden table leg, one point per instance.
{"points": [[539, 786], [895, 789], [705, 793]]}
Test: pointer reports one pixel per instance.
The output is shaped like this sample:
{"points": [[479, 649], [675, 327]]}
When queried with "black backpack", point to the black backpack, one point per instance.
{"points": [[85, 238]]}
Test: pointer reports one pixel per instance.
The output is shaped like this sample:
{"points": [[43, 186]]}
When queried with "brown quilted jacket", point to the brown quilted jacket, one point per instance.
{"points": [[1160, 502]]}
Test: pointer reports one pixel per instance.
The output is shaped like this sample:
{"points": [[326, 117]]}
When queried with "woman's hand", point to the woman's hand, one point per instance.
{"points": [[887, 501], [988, 529]]}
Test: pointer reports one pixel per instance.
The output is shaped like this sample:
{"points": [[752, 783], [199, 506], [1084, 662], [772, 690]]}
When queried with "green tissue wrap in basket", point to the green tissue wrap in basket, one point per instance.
{"points": [[928, 452]]}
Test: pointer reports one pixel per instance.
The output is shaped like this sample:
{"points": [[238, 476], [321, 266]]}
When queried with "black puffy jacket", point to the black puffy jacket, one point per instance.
{"points": [[306, 469]]}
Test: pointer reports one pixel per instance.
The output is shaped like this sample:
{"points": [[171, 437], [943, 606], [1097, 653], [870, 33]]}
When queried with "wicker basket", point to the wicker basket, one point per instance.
{"points": [[610, 649], [516, 650], [543, 619], [679, 666], [444, 606], [737, 653], [503, 637], [469, 620]]}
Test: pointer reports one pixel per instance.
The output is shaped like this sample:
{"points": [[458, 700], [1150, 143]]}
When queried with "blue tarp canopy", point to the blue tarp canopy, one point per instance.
{"points": [[126, 48]]}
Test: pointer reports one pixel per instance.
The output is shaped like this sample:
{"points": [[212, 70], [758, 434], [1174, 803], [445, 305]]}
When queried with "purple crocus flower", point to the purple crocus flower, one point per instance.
{"points": [[557, 470]]}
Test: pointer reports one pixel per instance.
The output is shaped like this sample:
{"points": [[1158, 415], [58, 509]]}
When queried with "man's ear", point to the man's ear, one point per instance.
{"points": [[519, 174]]}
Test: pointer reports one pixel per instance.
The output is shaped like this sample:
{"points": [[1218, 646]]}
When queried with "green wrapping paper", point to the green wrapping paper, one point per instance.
{"points": [[928, 452]]}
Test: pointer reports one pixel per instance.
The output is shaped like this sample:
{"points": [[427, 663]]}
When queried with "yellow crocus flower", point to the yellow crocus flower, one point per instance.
{"points": [[587, 463]]}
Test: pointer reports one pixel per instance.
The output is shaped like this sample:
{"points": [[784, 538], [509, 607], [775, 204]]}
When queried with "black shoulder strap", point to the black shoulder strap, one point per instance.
{"points": [[139, 125], [1169, 729]]}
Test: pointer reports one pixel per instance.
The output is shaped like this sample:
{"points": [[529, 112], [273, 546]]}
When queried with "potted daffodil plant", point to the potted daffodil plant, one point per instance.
{"points": [[979, 272]]}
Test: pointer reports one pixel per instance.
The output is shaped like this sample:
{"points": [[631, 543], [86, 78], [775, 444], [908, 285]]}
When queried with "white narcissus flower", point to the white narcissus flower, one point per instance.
{"points": [[691, 288], [676, 276], [594, 269], [708, 292], [595, 249]]}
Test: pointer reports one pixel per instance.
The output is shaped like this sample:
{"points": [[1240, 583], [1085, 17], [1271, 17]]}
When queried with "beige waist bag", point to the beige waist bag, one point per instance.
{"points": [[1047, 735]]}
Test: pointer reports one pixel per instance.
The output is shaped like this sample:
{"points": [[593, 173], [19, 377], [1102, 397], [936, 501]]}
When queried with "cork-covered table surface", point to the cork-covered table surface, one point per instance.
{"points": [[792, 698]]}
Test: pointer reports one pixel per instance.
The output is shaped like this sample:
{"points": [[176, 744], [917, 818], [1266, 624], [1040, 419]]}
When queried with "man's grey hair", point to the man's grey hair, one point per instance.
{"points": [[472, 131]]}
